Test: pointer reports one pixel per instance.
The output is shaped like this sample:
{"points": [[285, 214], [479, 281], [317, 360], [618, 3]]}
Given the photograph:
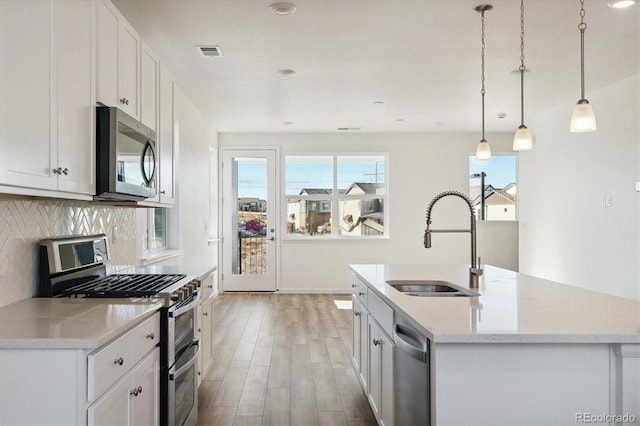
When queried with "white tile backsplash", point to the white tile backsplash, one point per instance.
{"points": [[24, 222]]}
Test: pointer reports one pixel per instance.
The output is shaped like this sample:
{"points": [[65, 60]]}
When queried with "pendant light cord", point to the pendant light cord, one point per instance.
{"points": [[482, 91], [522, 67], [582, 27]]}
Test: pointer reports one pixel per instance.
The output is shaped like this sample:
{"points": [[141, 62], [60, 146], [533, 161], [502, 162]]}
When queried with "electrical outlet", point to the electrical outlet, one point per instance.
{"points": [[114, 234], [606, 201]]}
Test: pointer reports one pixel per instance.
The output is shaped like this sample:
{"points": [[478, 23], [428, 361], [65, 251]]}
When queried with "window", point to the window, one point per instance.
{"points": [[499, 176], [155, 231], [335, 196]]}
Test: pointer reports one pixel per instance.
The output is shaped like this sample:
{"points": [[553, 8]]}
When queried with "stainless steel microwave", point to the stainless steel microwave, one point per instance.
{"points": [[126, 161]]}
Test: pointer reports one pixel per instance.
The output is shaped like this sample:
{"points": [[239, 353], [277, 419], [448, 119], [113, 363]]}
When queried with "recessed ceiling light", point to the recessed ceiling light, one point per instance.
{"points": [[517, 71], [349, 128], [621, 4], [400, 120], [288, 123], [283, 8], [378, 102], [501, 115], [439, 123], [286, 72]]}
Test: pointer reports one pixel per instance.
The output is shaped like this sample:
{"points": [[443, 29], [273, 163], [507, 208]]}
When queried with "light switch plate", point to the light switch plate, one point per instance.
{"points": [[638, 186]]}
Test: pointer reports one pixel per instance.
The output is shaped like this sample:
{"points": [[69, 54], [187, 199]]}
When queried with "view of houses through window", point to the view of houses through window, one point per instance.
{"points": [[335, 195], [498, 199]]}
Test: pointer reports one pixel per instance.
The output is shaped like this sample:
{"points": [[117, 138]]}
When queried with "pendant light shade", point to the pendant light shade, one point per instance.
{"points": [[483, 151], [583, 119], [522, 141]]}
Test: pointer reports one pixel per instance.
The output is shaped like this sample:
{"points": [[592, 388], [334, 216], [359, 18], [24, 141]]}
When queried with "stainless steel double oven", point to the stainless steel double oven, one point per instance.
{"points": [[75, 267]]}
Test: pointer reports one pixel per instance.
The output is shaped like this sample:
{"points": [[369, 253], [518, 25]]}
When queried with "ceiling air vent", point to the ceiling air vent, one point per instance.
{"points": [[349, 128], [210, 51]]}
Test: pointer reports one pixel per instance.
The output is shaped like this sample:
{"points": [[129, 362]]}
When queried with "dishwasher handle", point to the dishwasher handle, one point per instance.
{"points": [[410, 342]]}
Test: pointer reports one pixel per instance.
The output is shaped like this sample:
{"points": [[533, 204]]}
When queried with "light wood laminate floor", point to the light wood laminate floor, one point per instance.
{"points": [[282, 359]]}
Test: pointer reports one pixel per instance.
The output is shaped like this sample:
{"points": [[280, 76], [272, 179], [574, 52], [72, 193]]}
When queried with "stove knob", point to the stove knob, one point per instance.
{"points": [[175, 296]]}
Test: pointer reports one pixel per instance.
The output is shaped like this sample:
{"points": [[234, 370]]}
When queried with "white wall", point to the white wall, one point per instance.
{"points": [[565, 233], [194, 216], [420, 166]]}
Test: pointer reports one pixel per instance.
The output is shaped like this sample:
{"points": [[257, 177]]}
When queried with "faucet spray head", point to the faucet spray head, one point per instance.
{"points": [[427, 238]]}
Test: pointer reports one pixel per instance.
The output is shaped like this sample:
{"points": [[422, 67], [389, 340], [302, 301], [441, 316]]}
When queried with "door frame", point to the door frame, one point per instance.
{"points": [[274, 208]]}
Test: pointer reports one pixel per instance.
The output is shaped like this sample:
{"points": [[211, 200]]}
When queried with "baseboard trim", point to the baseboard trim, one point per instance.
{"points": [[315, 291]]}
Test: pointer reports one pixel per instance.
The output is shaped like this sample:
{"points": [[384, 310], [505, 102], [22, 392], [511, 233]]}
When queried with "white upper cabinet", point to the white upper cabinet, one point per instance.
{"points": [[75, 96], [118, 46], [149, 69], [166, 139], [46, 97]]}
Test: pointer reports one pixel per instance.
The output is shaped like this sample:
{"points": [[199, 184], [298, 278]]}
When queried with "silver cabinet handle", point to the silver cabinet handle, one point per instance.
{"points": [[361, 294], [65, 171], [356, 313], [136, 391], [57, 171], [151, 336], [272, 239], [376, 342], [163, 192], [124, 101], [199, 330], [354, 285], [118, 361], [206, 314]]}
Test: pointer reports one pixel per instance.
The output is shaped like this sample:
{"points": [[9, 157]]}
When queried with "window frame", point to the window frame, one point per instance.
{"points": [[335, 199], [517, 179]]}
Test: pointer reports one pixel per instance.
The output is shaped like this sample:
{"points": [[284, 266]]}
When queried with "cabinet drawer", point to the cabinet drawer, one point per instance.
{"points": [[382, 313], [109, 364], [146, 336], [360, 290], [206, 286]]}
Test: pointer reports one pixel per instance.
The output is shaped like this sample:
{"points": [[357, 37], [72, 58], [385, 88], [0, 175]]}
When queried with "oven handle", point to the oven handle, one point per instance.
{"points": [[189, 364], [183, 309]]}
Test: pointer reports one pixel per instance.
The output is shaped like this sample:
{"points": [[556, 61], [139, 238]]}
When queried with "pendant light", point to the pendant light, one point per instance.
{"points": [[583, 119], [483, 151], [522, 140]]}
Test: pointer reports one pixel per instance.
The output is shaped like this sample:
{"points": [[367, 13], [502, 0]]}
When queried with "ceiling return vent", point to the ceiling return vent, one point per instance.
{"points": [[210, 51]]}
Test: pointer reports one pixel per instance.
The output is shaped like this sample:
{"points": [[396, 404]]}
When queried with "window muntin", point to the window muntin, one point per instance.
{"points": [[155, 230], [500, 187], [335, 196]]}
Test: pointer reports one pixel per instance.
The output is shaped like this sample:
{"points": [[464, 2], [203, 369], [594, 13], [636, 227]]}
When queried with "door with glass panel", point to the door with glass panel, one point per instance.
{"points": [[249, 212]]}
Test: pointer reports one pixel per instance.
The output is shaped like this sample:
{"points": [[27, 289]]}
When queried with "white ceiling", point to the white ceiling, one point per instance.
{"points": [[420, 57]]}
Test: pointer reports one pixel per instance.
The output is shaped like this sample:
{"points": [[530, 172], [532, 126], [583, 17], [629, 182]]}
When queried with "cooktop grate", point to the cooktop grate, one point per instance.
{"points": [[123, 285]]}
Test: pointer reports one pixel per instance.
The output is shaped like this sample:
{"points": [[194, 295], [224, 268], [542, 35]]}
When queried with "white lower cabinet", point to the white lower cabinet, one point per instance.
{"points": [[360, 338], [373, 351], [115, 384], [133, 400], [205, 326], [380, 393]]}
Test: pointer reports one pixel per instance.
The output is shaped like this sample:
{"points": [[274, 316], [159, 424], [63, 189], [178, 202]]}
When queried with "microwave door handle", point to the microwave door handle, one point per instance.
{"points": [[148, 179]]}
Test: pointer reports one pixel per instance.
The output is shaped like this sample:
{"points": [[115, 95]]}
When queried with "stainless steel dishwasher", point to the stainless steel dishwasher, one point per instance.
{"points": [[411, 375]]}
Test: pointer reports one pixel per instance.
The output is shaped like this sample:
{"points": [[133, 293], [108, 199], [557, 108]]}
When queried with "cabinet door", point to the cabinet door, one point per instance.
{"points": [[149, 68], [27, 155], [386, 379], [128, 54], [355, 343], [166, 140], [375, 364], [74, 109], [206, 325], [113, 408], [107, 54], [364, 347], [145, 391]]}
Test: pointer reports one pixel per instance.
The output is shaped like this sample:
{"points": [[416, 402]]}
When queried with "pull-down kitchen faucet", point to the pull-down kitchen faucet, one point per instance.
{"points": [[475, 270]]}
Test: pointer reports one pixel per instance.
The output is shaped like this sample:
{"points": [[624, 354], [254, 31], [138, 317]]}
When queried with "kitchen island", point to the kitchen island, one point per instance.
{"points": [[525, 351]]}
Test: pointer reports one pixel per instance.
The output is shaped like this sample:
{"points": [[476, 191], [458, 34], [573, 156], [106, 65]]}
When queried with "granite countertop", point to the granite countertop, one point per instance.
{"points": [[70, 323], [511, 308]]}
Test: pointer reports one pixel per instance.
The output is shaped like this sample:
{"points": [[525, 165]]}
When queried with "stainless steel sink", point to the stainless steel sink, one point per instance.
{"points": [[429, 288]]}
